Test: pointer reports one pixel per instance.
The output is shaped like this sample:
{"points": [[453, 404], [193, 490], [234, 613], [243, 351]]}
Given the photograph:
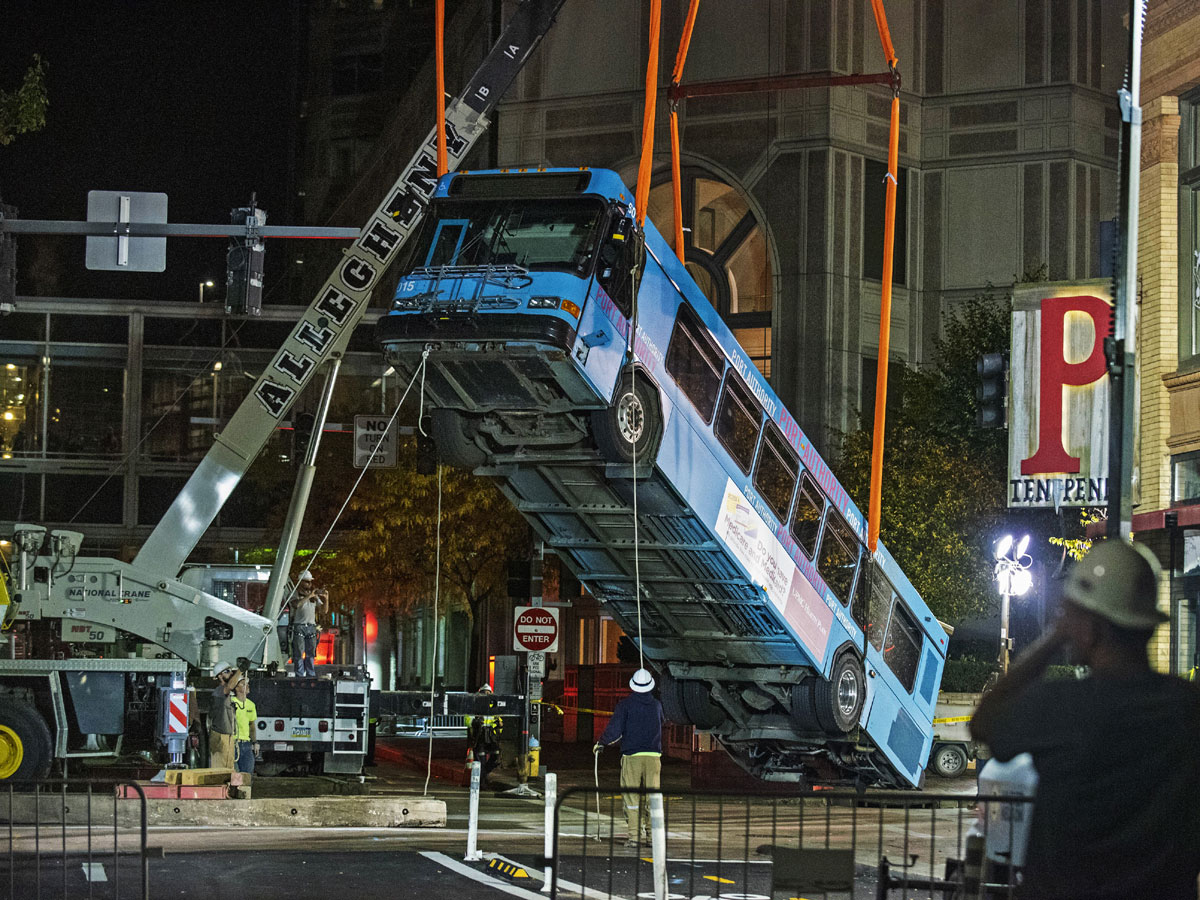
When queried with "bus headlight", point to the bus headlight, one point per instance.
{"points": [[543, 303]]}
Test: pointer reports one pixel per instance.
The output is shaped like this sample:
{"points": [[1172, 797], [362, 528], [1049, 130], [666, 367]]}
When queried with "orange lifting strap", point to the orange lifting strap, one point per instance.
{"points": [[676, 74], [647, 162], [443, 164], [885, 305]]}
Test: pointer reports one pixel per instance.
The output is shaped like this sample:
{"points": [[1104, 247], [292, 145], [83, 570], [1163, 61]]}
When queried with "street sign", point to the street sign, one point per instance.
{"points": [[124, 253], [537, 664], [372, 431], [535, 628]]}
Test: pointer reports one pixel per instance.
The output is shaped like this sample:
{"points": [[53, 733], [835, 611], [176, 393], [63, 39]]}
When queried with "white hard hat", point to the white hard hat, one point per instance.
{"points": [[1118, 581], [306, 575], [485, 689], [220, 667], [642, 681]]}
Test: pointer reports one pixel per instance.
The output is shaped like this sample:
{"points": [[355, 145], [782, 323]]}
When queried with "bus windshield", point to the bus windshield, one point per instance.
{"points": [[543, 234]]}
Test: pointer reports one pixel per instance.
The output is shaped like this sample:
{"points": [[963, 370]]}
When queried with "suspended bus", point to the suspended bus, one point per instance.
{"points": [[769, 623]]}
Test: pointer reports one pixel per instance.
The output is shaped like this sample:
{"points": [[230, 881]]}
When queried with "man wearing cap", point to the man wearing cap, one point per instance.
{"points": [[1117, 810], [222, 720], [637, 723], [304, 625]]}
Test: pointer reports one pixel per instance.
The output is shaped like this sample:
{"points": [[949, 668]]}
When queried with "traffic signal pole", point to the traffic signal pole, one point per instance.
{"points": [[1120, 347]]}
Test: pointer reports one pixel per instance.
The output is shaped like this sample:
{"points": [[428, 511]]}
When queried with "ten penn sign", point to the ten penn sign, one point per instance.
{"points": [[1058, 395]]}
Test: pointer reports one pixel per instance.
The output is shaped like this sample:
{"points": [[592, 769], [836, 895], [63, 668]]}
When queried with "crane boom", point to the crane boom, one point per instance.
{"points": [[324, 329]]}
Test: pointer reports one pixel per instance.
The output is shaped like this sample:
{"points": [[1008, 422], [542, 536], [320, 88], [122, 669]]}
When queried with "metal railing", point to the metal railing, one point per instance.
{"points": [[830, 844], [74, 839]]}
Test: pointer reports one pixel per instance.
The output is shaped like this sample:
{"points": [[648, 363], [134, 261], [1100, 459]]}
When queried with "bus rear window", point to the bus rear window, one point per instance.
{"points": [[775, 473], [695, 362], [902, 648], [806, 517], [839, 556], [738, 418]]}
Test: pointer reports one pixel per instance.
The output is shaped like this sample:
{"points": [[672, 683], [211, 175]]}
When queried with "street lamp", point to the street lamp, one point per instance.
{"points": [[203, 285], [1013, 579]]}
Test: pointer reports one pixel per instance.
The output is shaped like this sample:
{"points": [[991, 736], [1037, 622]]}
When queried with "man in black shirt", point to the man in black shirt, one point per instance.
{"points": [[1117, 811]]}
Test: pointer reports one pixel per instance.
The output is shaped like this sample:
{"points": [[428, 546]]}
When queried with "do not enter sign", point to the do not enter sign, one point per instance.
{"points": [[536, 628]]}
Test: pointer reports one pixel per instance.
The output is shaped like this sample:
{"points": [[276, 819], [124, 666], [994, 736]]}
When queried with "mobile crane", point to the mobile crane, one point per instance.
{"points": [[65, 709]]}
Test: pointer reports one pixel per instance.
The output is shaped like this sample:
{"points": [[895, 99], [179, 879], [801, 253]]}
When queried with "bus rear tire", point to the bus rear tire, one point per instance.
{"points": [[452, 433], [632, 423], [26, 749], [838, 701], [671, 694], [700, 708]]}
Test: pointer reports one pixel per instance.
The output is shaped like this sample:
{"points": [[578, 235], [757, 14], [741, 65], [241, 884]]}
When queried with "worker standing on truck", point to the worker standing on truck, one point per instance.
{"points": [[246, 716], [304, 625], [222, 723], [1117, 809], [637, 723], [483, 738]]}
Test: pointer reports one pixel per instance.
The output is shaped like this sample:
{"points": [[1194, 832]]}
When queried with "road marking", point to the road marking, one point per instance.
{"points": [[718, 879], [455, 866], [563, 883]]}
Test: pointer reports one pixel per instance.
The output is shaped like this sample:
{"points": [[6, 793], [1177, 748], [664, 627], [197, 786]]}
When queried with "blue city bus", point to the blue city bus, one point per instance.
{"points": [[769, 623]]}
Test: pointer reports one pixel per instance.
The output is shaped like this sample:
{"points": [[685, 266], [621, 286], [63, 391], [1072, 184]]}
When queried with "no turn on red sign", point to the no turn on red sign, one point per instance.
{"points": [[535, 628]]}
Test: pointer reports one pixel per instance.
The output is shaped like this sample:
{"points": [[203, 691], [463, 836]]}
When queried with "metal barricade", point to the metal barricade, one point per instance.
{"points": [[74, 839], [837, 845]]}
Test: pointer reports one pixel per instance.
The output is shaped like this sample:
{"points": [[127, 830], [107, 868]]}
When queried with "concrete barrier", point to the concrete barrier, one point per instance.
{"points": [[299, 812]]}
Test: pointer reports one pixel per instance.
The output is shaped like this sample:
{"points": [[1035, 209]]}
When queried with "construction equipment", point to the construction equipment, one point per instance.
{"points": [[52, 709]]}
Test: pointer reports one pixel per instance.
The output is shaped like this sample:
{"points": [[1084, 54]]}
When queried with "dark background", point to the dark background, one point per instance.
{"points": [[196, 100]]}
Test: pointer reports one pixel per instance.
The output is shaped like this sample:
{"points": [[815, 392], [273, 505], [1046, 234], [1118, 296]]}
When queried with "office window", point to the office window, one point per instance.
{"points": [[1189, 229]]}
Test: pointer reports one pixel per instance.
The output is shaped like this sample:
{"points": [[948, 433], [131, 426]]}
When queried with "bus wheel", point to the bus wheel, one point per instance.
{"points": [[838, 701], [804, 714], [632, 423], [671, 693], [702, 711], [25, 746], [452, 432], [949, 760]]}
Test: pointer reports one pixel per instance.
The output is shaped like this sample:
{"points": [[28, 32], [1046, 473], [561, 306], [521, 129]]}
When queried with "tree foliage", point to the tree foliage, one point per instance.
{"points": [[943, 477], [24, 109]]}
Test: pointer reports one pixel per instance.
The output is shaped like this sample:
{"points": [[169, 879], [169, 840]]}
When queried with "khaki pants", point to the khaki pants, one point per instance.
{"points": [[221, 752], [639, 771]]}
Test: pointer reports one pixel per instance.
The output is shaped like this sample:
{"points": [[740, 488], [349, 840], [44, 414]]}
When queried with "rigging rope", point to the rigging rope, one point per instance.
{"points": [[443, 165], [437, 583], [676, 74]]}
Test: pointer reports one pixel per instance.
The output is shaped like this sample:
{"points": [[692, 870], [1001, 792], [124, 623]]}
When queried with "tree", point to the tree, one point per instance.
{"points": [[389, 552], [24, 109], [944, 482]]}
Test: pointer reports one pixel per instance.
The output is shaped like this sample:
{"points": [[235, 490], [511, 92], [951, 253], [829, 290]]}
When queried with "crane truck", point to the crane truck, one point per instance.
{"points": [[71, 709]]}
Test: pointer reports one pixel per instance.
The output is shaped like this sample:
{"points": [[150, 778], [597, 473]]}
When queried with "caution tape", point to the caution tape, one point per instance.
{"points": [[575, 709], [949, 720]]}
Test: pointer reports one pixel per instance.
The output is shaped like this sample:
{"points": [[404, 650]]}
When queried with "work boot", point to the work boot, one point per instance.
{"points": [[631, 843]]}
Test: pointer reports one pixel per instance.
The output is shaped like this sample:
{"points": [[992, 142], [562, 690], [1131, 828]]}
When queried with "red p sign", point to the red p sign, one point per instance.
{"points": [[1057, 373]]}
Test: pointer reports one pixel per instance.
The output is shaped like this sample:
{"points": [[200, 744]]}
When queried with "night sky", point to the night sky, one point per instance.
{"points": [[195, 100]]}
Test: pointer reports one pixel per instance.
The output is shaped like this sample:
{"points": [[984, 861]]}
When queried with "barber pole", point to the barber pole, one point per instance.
{"points": [[177, 713]]}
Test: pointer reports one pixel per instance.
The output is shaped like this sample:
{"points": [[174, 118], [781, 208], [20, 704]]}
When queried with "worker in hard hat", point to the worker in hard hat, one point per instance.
{"points": [[222, 719], [637, 723], [483, 739], [1117, 809], [304, 625]]}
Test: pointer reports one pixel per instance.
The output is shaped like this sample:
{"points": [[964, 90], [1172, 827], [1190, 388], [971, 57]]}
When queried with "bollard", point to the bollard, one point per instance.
{"points": [[551, 785], [658, 844], [473, 853]]}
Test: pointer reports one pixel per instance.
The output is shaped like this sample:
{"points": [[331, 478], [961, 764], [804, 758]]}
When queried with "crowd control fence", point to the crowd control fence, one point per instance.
{"points": [[74, 840], [835, 845]]}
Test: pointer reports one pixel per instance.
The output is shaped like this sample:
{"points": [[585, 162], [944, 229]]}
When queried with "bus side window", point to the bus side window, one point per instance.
{"points": [[872, 603], [738, 421], [839, 556], [775, 472], [695, 362], [902, 647], [806, 516], [616, 258]]}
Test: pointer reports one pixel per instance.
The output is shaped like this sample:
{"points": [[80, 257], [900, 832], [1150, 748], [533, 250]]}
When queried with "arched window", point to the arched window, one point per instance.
{"points": [[725, 251]]}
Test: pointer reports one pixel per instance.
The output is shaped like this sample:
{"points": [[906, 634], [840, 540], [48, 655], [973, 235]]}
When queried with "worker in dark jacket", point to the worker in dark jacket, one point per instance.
{"points": [[1117, 811], [637, 723]]}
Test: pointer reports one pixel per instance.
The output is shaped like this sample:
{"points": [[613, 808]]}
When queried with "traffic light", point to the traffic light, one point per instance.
{"points": [[302, 432], [244, 264], [992, 390]]}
